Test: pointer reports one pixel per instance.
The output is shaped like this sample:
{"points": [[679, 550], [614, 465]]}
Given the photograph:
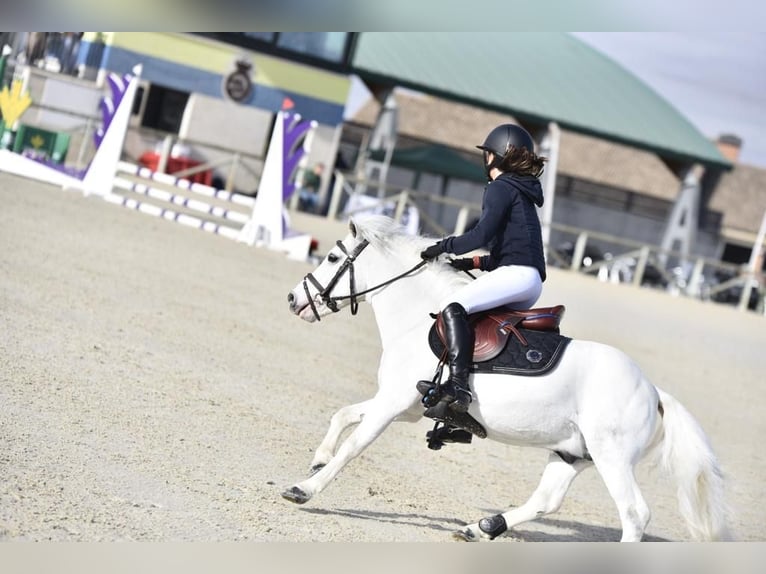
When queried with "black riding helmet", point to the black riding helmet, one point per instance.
{"points": [[502, 139]]}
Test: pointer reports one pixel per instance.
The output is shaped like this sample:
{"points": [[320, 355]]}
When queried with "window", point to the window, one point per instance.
{"points": [[325, 45], [325, 49], [739, 254], [600, 195], [164, 108], [262, 36], [137, 101], [652, 207]]}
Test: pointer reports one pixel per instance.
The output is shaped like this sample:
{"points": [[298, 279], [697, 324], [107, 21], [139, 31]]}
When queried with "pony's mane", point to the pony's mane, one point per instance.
{"points": [[382, 231], [391, 237]]}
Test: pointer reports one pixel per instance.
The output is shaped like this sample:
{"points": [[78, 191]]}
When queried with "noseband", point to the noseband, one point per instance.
{"points": [[348, 265]]}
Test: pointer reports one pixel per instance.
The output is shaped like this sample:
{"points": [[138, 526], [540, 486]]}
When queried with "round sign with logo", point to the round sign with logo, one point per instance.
{"points": [[237, 85]]}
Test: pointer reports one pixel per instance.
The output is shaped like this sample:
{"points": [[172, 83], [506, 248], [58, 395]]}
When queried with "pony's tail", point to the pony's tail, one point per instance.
{"points": [[685, 453]]}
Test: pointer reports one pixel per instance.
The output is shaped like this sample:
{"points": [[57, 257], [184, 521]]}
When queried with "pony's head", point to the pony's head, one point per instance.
{"points": [[336, 284]]}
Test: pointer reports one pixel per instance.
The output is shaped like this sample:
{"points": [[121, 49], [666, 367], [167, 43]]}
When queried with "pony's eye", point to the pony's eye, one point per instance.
{"points": [[332, 258]]}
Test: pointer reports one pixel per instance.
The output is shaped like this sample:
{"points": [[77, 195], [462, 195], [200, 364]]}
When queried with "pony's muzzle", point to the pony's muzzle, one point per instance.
{"points": [[292, 302], [298, 305]]}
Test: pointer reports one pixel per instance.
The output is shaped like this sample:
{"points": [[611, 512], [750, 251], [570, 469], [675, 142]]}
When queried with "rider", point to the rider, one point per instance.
{"points": [[509, 228]]}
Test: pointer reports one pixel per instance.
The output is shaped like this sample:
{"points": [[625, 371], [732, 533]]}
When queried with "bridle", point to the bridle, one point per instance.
{"points": [[348, 265]]}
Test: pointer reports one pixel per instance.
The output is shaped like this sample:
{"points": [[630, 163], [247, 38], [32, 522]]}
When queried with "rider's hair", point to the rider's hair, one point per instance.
{"points": [[522, 162]]}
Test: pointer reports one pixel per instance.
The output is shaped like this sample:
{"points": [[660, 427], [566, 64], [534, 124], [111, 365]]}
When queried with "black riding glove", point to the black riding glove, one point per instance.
{"points": [[464, 264], [432, 252]]}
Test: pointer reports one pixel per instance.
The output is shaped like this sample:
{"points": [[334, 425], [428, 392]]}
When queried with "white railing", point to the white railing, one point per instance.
{"points": [[233, 162], [629, 261]]}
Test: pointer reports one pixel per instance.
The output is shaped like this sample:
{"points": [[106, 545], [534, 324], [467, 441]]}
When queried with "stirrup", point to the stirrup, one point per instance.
{"points": [[444, 433], [441, 413]]}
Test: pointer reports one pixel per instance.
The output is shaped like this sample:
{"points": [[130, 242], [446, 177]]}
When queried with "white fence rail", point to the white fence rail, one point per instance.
{"points": [[631, 262], [628, 262]]}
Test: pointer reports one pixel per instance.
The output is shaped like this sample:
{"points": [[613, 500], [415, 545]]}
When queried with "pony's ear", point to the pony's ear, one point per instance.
{"points": [[352, 227]]}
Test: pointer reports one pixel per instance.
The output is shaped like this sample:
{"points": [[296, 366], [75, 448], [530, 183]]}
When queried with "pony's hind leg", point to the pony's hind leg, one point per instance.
{"points": [[340, 421], [546, 499], [620, 481], [616, 443]]}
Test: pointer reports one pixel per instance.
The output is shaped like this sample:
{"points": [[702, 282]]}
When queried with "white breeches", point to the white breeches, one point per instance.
{"points": [[517, 286]]}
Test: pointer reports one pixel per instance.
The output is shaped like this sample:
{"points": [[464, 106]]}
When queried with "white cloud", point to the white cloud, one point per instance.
{"points": [[716, 79]]}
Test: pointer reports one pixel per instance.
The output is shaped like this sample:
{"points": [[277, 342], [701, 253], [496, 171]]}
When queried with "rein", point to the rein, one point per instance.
{"points": [[348, 264]]}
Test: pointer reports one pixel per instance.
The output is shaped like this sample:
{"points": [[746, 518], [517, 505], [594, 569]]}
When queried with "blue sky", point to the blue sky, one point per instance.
{"points": [[717, 80]]}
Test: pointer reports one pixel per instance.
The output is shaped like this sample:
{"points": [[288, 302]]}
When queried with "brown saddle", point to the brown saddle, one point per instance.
{"points": [[493, 327]]}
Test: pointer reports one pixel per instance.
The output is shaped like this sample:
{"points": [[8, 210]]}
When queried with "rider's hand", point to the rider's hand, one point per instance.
{"points": [[463, 264], [432, 252]]}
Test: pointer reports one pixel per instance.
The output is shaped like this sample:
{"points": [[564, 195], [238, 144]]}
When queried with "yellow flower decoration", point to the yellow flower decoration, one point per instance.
{"points": [[13, 103], [37, 141]]}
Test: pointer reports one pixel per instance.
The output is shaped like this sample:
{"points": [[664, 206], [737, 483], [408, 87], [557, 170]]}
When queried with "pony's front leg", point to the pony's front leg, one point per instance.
{"points": [[375, 421], [340, 421]]}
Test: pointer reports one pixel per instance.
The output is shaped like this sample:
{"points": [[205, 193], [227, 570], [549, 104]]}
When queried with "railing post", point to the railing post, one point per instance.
{"points": [[747, 287], [755, 264], [232, 172], [401, 205], [167, 146], [337, 192], [643, 257], [294, 201], [84, 143], [579, 251], [462, 220], [694, 288]]}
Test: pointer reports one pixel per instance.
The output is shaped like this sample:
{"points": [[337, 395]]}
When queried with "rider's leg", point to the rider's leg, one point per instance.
{"points": [[518, 285], [460, 340]]}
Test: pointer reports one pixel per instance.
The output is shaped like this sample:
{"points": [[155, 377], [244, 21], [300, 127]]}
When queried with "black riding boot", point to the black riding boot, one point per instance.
{"points": [[460, 340]]}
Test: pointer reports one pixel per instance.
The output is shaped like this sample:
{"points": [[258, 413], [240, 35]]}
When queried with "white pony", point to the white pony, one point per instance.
{"points": [[594, 408]]}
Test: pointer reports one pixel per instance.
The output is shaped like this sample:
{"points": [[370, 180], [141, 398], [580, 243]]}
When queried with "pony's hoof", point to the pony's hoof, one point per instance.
{"points": [[295, 495], [465, 535], [316, 468]]}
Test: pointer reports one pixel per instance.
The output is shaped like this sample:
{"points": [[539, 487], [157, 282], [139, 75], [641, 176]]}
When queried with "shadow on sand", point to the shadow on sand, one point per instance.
{"points": [[571, 531]]}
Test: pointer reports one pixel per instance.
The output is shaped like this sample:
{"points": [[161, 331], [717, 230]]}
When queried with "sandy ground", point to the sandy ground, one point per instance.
{"points": [[154, 386]]}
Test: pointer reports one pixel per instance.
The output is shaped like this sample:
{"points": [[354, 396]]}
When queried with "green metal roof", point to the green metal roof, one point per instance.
{"points": [[435, 159], [536, 78]]}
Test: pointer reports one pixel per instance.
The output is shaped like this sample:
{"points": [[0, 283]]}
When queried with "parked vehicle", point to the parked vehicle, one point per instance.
{"points": [[733, 294], [565, 253]]}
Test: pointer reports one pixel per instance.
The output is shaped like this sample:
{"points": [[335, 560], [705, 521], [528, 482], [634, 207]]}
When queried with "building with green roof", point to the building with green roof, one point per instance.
{"points": [[623, 153], [537, 78]]}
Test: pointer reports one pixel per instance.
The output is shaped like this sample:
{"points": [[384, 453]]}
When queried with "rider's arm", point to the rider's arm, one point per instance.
{"points": [[494, 211]]}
